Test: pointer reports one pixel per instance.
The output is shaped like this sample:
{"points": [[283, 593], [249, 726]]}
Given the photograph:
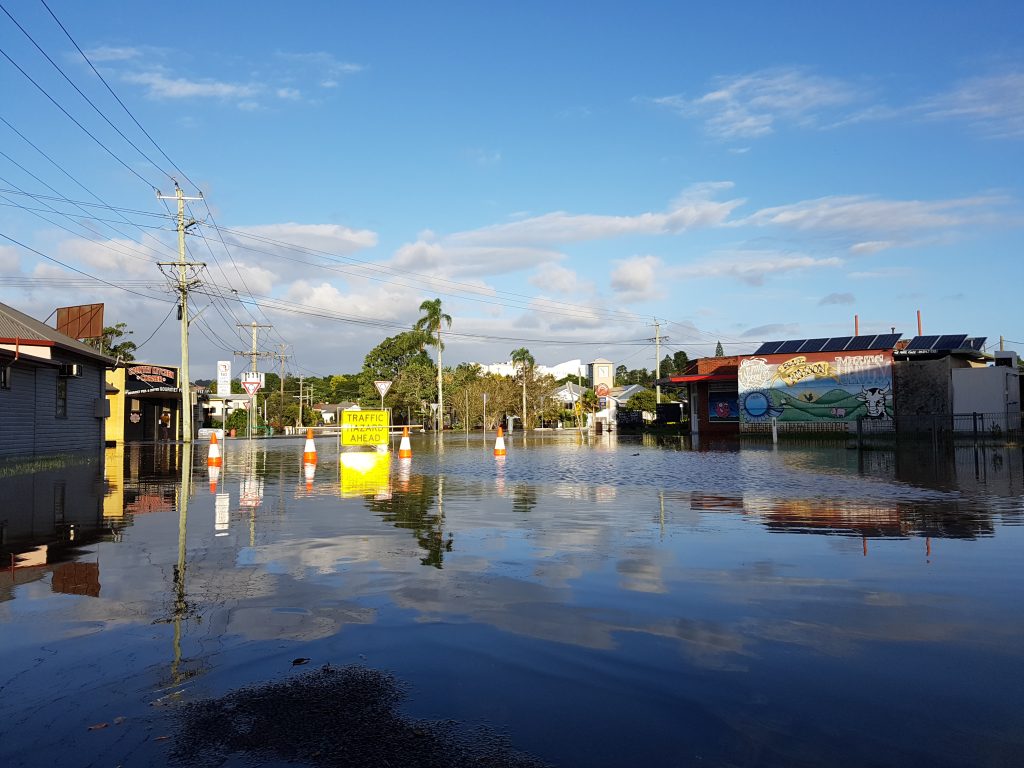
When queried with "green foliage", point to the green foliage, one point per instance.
{"points": [[642, 401], [108, 343], [680, 362], [719, 350]]}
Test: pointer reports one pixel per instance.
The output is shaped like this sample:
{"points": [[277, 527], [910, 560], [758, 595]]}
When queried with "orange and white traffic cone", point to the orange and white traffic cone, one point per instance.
{"points": [[214, 472], [309, 470], [404, 447], [309, 452], [213, 458], [499, 443]]}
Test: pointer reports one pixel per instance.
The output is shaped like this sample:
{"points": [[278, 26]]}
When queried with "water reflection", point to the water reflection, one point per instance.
{"points": [[552, 585]]}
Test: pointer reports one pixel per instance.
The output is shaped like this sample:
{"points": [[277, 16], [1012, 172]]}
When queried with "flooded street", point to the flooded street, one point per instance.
{"points": [[607, 601]]}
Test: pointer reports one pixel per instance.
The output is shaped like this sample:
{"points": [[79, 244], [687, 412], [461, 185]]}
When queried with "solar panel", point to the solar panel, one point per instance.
{"points": [[836, 344], [813, 345], [951, 341], [789, 347], [922, 342], [861, 342], [978, 342], [886, 340], [768, 347]]}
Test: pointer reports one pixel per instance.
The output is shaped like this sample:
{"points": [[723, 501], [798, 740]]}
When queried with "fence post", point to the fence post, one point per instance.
{"points": [[860, 432], [975, 415]]}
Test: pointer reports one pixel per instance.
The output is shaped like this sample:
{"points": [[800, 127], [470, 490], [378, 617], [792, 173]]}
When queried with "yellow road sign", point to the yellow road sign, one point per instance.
{"points": [[364, 419], [364, 436]]}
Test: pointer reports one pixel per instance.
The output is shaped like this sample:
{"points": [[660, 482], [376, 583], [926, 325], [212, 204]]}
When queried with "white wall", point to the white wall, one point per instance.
{"points": [[992, 390]]}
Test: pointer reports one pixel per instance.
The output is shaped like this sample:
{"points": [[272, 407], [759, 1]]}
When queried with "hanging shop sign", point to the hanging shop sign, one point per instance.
{"points": [[151, 378]]}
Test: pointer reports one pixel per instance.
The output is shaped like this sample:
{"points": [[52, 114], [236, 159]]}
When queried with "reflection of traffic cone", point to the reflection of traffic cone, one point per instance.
{"points": [[404, 473], [213, 458], [310, 472], [405, 448], [309, 452], [499, 443], [499, 481], [214, 472]]}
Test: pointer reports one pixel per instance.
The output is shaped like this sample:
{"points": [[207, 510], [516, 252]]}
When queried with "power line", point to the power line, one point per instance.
{"points": [[116, 97], [71, 117], [80, 93]]}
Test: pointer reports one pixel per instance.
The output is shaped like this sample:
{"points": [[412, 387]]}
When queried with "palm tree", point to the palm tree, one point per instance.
{"points": [[523, 360], [430, 324]]}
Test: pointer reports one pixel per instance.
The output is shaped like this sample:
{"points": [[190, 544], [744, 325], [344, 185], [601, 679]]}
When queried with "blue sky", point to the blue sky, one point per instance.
{"points": [[559, 174]]}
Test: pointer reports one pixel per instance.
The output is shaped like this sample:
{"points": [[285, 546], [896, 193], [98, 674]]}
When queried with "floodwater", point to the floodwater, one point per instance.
{"points": [[608, 601]]}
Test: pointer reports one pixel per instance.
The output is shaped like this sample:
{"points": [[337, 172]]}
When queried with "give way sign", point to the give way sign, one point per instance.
{"points": [[251, 386]]}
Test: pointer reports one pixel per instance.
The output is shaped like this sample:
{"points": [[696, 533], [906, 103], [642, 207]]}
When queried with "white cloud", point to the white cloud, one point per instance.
{"points": [[861, 214], [10, 260], [447, 259], [837, 298], [329, 68], [556, 278], [771, 329], [112, 53], [636, 279], [484, 156], [692, 210], [331, 238], [992, 104], [160, 86], [751, 105], [291, 94], [754, 267], [869, 247]]}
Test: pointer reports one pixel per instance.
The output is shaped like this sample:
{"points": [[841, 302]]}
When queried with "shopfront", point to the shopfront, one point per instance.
{"points": [[145, 404]]}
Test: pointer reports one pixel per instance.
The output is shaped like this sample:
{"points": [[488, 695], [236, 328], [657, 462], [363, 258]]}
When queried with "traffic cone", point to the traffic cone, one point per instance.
{"points": [[309, 470], [214, 472], [405, 448], [499, 443], [309, 452], [213, 458]]}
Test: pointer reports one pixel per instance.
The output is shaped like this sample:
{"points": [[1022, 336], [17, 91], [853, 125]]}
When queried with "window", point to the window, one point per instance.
{"points": [[5, 377], [62, 397]]}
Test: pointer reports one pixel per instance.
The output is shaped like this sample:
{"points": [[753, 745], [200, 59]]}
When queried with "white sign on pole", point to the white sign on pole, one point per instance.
{"points": [[223, 378], [382, 387], [251, 386]]}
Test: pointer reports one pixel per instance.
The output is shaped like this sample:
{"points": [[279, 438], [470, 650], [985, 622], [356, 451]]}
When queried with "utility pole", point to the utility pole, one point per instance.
{"points": [[281, 356], [184, 283], [253, 354], [658, 338]]}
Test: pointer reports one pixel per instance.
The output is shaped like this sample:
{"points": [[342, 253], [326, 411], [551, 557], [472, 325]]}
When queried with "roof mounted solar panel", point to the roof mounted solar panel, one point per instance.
{"points": [[951, 341], [886, 340], [837, 344], [922, 342], [789, 347], [861, 342], [813, 345], [977, 343], [768, 347]]}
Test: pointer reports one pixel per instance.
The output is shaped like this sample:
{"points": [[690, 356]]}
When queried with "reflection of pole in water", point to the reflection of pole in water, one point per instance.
{"points": [[928, 548], [864, 540], [661, 500], [180, 602]]}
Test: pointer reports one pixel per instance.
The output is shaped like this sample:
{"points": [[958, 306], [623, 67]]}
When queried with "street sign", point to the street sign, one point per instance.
{"points": [[252, 387], [382, 387], [223, 378], [365, 427]]}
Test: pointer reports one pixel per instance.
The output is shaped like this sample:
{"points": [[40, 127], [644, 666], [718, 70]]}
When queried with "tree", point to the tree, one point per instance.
{"points": [[524, 362], [430, 324], [401, 360], [719, 351], [124, 350], [667, 366], [680, 362], [642, 401], [621, 373]]}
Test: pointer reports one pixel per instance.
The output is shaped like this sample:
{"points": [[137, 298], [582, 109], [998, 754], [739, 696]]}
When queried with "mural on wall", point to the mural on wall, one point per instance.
{"points": [[723, 406], [816, 387]]}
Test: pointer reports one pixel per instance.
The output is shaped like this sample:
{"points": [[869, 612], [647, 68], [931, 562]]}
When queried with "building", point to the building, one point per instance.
{"points": [[601, 374], [52, 390], [710, 387], [145, 403]]}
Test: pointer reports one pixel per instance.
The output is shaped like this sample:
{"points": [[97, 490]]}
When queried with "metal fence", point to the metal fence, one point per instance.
{"points": [[963, 426]]}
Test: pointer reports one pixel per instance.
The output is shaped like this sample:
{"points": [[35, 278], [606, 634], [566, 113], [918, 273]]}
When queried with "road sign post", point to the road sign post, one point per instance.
{"points": [[382, 387]]}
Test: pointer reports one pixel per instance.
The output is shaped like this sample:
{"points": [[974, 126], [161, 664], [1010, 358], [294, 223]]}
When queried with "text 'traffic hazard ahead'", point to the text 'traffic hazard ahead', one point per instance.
{"points": [[364, 427]]}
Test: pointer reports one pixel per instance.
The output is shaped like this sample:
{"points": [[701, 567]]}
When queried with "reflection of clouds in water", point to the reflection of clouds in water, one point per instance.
{"points": [[270, 622]]}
